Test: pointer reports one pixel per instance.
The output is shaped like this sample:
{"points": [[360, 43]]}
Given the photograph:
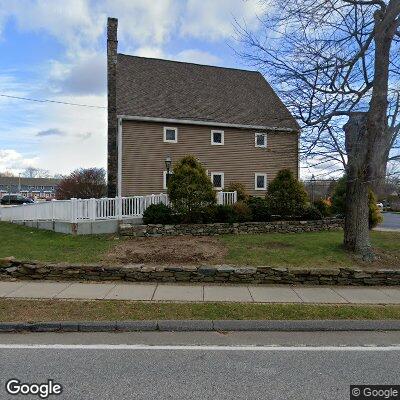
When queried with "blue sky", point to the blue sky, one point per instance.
{"points": [[53, 49]]}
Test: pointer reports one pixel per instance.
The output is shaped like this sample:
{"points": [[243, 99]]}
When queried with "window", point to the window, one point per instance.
{"points": [[261, 140], [217, 179], [260, 181], [165, 179], [217, 138], [170, 135]]}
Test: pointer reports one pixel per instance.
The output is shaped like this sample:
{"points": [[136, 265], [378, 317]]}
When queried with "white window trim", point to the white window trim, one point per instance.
{"points": [[222, 180], [165, 179], [222, 137], [265, 139], [256, 175], [165, 134]]}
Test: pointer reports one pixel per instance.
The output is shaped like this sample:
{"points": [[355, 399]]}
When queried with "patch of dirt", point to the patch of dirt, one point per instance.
{"points": [[168, 250], [384, 259]]}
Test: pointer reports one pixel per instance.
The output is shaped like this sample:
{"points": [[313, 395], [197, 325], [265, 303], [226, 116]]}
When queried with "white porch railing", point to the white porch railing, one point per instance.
{"points": [[76, 210], [227, 198]]}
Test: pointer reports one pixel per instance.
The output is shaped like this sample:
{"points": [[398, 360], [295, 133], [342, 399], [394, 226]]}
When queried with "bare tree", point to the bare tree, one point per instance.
{"points": [[83, 184], [7, 173], [333, 60], [32, 172]]}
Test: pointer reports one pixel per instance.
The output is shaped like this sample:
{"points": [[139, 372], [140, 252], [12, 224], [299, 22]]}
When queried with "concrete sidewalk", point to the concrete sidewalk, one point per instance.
{"points": [[200, 293]]}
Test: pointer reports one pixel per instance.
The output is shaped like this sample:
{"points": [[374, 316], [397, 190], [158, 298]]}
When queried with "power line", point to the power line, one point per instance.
{"points": [[51, 101]]}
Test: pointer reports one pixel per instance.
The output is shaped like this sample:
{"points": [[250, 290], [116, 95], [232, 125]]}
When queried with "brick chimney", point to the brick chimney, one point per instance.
{"points": [[112, 161]]}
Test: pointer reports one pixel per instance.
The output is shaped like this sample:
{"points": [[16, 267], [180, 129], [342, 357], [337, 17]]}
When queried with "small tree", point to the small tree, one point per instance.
{"points": [[286, 195], [190, 189], [83, 184]]}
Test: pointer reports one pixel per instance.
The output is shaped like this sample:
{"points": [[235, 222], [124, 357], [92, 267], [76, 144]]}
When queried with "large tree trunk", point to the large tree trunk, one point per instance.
{"points": [[356, 230], [356, 236], [367, 138]]}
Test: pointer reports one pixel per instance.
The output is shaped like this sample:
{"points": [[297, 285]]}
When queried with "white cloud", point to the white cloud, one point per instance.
{"points": [[149, 51], [11, 160], [142, 21], [197, 56], [210, 19], [83, 75], [188, 55], [72, 23], [11, 86]]}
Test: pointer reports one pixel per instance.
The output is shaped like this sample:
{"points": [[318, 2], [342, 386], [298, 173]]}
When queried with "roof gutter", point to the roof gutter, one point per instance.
{"points": [[204, 123]]}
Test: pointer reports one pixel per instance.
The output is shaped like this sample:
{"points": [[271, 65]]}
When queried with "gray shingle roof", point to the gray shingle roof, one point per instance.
{"points": [[149, 87]]}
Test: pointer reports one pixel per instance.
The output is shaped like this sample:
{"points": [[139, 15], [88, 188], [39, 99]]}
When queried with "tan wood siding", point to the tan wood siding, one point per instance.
{"points": [[144, 153]]}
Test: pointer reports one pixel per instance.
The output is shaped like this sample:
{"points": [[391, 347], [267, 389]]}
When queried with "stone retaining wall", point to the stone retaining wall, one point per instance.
{"points": [[236, 228], [28, 270]]}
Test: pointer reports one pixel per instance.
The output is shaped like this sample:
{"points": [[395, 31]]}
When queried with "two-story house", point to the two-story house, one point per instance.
{"points": [[230, 119]]}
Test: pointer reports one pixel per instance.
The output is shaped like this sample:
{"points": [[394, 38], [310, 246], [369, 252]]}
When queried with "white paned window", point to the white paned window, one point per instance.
{"points": [[170, 134], [261, 140], [217, 179], [217, 138], [260, 181]]}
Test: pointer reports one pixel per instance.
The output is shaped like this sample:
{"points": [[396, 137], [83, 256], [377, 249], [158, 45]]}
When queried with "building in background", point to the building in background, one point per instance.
{"points": [[35, 188]]}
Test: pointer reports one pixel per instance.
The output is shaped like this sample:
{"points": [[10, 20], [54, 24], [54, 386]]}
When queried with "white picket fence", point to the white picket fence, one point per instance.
{"points": [[76, 210]]}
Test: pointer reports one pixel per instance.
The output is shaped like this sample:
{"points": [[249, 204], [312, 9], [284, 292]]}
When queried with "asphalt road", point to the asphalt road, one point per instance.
{"points": [[202, 365], [390, 221]]}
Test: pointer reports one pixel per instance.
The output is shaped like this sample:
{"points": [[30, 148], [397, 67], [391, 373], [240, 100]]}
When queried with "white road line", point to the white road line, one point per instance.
{"points": [[194, 347]]}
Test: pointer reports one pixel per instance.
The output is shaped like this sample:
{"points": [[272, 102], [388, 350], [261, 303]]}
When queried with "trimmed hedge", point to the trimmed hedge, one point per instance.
{"points": [[159, 214], [255, 210]]}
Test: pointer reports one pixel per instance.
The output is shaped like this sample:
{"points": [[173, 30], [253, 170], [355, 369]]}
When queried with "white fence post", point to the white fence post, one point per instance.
{"points": [[118, 206], [234, 197], [74, 209], [92, 209], [52, 209], [219, 198]]}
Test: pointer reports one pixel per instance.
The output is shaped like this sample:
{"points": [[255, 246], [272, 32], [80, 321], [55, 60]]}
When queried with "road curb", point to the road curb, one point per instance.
{"points": [[203, 325]]}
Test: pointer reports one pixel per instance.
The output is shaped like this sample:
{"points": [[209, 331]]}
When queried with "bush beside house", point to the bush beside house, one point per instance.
{"points": [[240, 189], [286, 196], [190, 190], [193, 200], [259, 209], [159, 214]]}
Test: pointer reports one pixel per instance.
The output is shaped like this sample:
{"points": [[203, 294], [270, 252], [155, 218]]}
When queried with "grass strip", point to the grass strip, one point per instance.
{"points": [[308, 249], [102, 310]]}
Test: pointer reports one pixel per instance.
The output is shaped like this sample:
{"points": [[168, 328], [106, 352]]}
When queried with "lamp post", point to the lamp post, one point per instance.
{"points": [[168, 162], [313, 188]]}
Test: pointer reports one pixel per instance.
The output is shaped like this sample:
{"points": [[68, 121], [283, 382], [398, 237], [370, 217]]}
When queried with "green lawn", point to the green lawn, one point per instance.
{"points": [[318, 249], [61, 310], [34, 244], [314, 249]]}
